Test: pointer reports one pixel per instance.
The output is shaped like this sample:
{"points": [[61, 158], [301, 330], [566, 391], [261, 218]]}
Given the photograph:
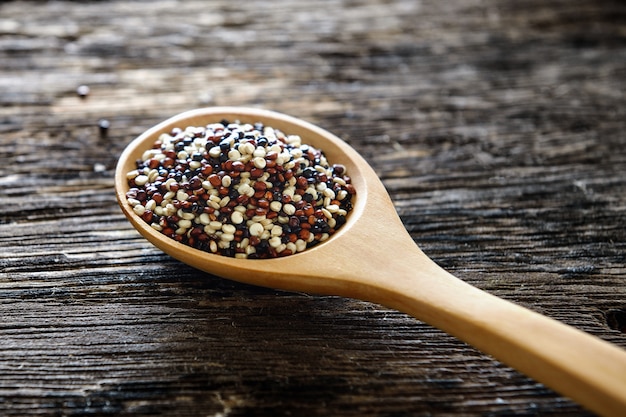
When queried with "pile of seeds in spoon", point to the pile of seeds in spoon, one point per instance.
{"points": [[240, 190]]}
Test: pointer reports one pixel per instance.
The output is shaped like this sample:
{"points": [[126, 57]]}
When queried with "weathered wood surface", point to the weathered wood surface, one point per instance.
{"points": [[497, 126]]}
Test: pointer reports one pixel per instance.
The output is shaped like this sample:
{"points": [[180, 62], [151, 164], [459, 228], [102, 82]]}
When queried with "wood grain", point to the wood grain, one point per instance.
{"points": [[497, 127]]}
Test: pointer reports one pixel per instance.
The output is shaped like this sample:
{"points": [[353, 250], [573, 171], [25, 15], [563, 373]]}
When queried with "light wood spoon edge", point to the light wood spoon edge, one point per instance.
{"points": [[373, 258]]}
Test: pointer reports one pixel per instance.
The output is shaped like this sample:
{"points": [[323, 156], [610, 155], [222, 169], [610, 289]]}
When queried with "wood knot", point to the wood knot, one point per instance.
{"points": [[616, 319]]}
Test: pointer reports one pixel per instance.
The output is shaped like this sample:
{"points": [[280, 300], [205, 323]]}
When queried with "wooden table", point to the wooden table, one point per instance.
{"points": [[497, 127]]}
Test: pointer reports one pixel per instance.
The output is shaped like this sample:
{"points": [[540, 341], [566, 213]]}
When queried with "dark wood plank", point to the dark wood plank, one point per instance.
{"points": [[497, 127]]}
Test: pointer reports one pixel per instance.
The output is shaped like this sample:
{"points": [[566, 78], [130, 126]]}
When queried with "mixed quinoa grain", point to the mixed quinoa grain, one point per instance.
{"points": [[239, 190]]}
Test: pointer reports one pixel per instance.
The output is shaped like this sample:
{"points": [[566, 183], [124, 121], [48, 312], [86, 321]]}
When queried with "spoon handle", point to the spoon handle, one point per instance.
{"points": [[585, 368]]}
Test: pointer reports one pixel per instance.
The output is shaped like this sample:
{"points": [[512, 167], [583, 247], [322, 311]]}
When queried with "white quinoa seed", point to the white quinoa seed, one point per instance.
{"points": [[227, 237], [229, 228], [275, 241], [186, 216], [246, 148], [181, 195], [259, 162], [256, 229], [234, 155], [141, 180], [300, 245], [339, 181], [184, 223], [215, 152], [139, 210], [328, 192], [170, 209], [152, 175], [292, 247], [289, 209], [236, 217], [151, 205], [276, 206]]}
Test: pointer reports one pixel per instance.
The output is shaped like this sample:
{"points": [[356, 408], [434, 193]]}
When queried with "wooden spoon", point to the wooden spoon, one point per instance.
{"points": [[372, 257]]}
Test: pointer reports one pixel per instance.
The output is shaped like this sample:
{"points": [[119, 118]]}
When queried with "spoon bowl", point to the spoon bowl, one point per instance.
{"points": [[372, 257]]}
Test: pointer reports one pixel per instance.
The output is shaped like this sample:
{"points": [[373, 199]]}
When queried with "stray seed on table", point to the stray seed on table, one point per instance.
{"points": [[103, 126], [82, 91]]}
